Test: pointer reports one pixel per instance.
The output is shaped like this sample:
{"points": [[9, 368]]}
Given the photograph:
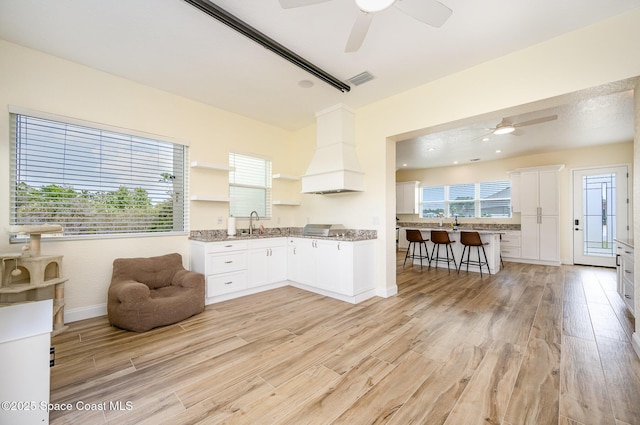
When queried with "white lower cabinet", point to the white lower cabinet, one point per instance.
{"points": [[540, 238], [626, 285], [25, 342], [337, 269], [510, 247], [267, 261], [240, 267]]}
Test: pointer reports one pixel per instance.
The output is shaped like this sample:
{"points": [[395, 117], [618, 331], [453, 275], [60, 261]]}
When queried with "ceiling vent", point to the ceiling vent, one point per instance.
{"points": [[361, 78]]}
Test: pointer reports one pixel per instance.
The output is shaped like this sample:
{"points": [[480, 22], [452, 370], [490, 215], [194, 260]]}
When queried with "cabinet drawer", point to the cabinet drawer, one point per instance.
{"points": [[628, 296], [224, 263], [627, 269], [231, 245], [511, 252], [510, 241], [226, 283]]}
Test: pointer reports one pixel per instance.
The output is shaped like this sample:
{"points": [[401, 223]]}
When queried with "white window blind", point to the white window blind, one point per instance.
{"points": [[495, 199], [249, 186], [433, 202], [488, 199], [94, 181], [462, 200]]}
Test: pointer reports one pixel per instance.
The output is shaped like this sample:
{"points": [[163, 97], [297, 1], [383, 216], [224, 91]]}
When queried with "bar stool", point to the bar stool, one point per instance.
{"points": [[415, 237], [441, 237], [469, 239]]}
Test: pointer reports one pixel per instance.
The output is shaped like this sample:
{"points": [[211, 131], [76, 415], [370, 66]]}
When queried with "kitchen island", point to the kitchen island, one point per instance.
{"points": [[490, 237]]}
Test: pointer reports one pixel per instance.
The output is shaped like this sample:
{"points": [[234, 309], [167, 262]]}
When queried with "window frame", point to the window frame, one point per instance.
{"points": [[477, 201], [177, 192]]}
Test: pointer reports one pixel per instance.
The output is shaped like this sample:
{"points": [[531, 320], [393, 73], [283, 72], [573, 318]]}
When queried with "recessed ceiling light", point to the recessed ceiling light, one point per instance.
{"points": [[431, 149], [455, 162], [404, 165], [486, 139], [305, 84], [498, 151]]}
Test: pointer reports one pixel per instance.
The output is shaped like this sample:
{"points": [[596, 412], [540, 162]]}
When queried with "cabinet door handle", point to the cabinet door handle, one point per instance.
{"points": [[617, 260], [228, 246], [228, 262], [229, 283], [627, 296], [338, 246]]}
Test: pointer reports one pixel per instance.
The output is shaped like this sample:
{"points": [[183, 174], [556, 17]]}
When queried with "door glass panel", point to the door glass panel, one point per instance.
{"points": [[599, 214]]}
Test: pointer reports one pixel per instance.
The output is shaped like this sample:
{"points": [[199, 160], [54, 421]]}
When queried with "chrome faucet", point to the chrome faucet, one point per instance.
{"points": [[251, 221]]}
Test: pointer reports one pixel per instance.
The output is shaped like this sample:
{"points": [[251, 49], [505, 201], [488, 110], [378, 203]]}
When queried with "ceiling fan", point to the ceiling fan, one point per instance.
{"points": [[431, 12], [506, 127]]}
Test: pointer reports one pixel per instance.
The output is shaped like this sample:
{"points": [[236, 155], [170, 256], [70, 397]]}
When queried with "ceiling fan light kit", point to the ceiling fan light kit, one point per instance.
{"points": [[371, 6], [504, 129], [430, 12]]}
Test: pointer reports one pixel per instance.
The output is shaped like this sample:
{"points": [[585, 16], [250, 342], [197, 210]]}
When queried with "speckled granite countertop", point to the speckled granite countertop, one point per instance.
{"points": [[218, 235], [461, 226]]}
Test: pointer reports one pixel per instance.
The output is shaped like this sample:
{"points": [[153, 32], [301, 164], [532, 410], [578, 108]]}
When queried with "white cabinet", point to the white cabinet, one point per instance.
{"points": [[224, 265], [240, 267], [407, 197], [515, 191], [301, 260], [539, 221], [25, 340], [625, 265], [267, 261], [338, 269], [510, 246]]}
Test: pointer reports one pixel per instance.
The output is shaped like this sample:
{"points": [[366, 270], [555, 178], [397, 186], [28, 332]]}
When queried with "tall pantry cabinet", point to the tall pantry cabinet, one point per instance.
{"points": [[540, 214]]}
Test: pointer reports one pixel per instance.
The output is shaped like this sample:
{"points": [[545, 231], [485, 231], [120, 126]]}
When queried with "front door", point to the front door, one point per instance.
{"points": [[600, 214]]}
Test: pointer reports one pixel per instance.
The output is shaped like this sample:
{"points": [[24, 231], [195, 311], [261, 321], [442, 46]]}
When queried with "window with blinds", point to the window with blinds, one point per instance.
{"points": [[472, 200], [94, 181], [249, 186]]}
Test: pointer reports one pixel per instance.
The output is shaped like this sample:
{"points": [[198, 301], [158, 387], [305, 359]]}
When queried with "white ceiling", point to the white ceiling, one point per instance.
{"points": [[170, 45]]}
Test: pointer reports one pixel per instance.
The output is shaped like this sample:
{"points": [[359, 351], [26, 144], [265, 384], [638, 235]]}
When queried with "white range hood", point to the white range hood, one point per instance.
{"points": [[334, 167]]}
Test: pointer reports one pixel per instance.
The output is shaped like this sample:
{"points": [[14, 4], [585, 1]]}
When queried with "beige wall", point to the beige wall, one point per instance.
{"points": [[40, 82], [618, 154], [590, 57]]}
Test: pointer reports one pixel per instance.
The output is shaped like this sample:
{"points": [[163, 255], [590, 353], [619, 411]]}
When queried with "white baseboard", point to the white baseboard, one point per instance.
{"points": [[387, 291], [635, 342], [89, 312], [76, 314]]}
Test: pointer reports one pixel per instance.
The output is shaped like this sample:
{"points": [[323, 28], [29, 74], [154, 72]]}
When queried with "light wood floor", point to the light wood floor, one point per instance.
{"points": [[531, 345]]}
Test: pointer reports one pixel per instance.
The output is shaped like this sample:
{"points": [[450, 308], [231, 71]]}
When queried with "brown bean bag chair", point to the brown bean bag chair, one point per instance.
{"points": [[149, 292]]}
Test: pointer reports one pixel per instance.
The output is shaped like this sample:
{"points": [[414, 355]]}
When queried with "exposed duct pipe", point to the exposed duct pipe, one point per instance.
{"points": [[248, 31]]}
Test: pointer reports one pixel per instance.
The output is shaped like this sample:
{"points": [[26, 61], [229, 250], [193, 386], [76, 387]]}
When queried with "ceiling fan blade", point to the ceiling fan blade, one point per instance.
{"points": [[431, 12], [536, 121], [358, 32], [288, 4]]}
